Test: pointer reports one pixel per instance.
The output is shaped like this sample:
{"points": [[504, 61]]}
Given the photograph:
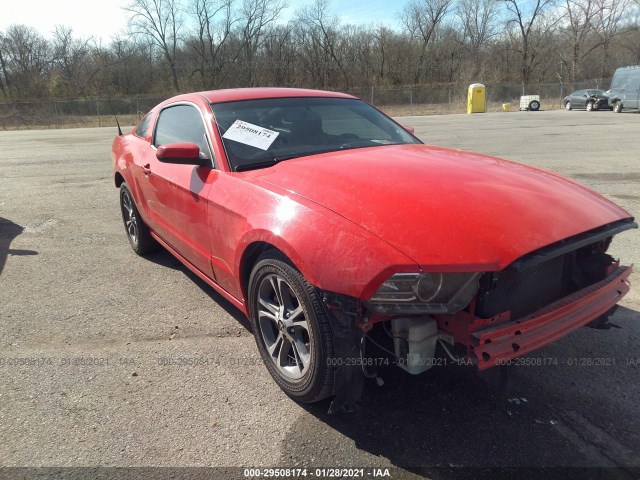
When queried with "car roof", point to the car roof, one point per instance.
{"points": [[235, 94]]}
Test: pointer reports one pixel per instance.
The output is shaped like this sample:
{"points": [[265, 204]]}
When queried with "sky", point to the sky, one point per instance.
{"points": [[102, 19]]}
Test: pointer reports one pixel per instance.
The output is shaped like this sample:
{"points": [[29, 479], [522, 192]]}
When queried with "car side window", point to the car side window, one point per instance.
{"points": [[181, 123], [142, 129]]}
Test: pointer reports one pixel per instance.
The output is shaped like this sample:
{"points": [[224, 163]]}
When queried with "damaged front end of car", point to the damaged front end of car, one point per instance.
{"points": [[487, 318]]}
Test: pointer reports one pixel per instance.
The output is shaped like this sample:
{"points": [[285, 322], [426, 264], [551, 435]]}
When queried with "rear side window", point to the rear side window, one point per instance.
{"points": [[181, 123], [142, 129]]}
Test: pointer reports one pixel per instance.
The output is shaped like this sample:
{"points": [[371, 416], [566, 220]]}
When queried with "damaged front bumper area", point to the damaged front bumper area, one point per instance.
{"points": [[493, 345]]}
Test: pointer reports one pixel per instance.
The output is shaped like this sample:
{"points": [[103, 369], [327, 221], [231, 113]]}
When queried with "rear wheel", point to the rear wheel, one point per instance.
{"points": [[589, 106], [534, 106], [617, 106], [292, 332], [137, 231]]}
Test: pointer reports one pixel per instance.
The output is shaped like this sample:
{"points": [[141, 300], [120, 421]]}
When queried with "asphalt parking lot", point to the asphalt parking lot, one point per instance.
{"points": [[98, 320]]}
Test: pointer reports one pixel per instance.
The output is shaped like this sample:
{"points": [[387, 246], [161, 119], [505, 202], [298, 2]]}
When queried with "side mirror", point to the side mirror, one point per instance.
{"points": [[409, 129], [180, 153]]}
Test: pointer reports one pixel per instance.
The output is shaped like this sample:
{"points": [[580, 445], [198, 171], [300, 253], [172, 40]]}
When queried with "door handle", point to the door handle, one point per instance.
{"points": [[146, 169]]}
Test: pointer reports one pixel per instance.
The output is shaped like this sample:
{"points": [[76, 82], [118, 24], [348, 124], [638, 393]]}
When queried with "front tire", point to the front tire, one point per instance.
{"points": [[602, 322], [567, 106], [294, 336], [137, 231], [589, 106], [617, 106], [534, 106]]}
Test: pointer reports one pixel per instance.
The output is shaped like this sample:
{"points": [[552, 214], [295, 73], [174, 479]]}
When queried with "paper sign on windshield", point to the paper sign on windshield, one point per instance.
{"points": [[250, 134]]}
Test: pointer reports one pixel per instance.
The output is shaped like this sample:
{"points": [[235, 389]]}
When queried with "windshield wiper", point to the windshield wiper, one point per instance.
{"points": [[253, 166], [266, 163]]}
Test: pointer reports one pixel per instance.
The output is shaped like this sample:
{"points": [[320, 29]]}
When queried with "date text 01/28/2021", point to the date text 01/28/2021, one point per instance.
{"points": [[368, 472]]}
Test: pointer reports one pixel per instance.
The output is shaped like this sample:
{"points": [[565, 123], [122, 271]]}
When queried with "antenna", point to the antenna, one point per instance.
{"points": [[118, 123], [114, 116]]}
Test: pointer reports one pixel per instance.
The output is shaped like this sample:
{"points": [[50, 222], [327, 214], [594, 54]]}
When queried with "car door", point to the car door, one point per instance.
{"points": [[574, 99], [580, 100], [175, 195]]}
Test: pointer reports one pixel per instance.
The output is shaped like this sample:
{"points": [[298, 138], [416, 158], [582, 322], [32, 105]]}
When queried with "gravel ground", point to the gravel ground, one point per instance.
{"points": [[95, 322]]}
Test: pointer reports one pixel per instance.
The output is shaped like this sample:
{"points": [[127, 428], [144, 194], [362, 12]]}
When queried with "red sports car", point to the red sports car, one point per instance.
{"points": [[327, 223]]}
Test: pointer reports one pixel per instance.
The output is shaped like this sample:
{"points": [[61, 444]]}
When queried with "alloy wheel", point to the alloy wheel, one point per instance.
{"points": [[284, 327], [129, 217]]}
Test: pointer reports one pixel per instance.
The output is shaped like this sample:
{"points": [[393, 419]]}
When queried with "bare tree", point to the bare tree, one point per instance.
{"points": [[126, 67], [204, 44], [322, 29], [26, 61], [279, 56], [579, 17], [479, 22], [255, 17], [421, 19], [73, 63], [5, 79], [215, 21], [613, 17], [531, 28], [161, 22]]}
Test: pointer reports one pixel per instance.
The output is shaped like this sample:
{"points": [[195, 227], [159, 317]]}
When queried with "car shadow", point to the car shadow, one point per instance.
{"points": [[164, 258], [8, 232], [451, 422]]}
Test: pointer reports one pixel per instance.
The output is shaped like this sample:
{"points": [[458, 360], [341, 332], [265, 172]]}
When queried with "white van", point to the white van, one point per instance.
{"points": [[625, 89]]}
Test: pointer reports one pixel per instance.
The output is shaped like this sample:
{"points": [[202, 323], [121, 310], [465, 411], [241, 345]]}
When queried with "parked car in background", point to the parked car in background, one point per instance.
{"points": [[625, 89], [326, 222], [589, 99]]}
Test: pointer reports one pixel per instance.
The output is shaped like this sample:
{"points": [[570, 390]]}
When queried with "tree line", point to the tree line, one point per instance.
{"points": [[182, 45]]}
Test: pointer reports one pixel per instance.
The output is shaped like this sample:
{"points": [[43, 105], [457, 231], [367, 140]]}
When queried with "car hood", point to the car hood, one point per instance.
{"points": [[446, 209]]}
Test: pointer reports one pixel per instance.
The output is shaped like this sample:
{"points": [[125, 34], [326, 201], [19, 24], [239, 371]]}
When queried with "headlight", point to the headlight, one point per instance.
{"points": [[424, 293]]}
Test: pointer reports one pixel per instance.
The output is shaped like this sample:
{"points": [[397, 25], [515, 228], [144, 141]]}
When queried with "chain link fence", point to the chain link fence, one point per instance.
{"points": [[74, 113], [423, 100], [450, 98]]}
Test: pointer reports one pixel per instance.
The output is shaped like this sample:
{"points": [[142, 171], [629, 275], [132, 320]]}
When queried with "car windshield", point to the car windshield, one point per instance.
{"points": [[260, 133], [620, 79], [596, 92]]}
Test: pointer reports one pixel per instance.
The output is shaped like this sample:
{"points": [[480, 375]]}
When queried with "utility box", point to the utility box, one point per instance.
{"points": [[530, 103], [476, 101]]}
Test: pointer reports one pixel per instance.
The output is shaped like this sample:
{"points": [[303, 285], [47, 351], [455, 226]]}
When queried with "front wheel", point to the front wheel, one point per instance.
{"points": [[534, 106], [292, 332], [617, 106], [589, 106]]}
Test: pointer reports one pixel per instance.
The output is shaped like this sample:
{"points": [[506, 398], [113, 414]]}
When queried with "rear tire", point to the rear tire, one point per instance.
{"points": [[293, 334], [137, 231], [589, 106], [534, 106]]}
